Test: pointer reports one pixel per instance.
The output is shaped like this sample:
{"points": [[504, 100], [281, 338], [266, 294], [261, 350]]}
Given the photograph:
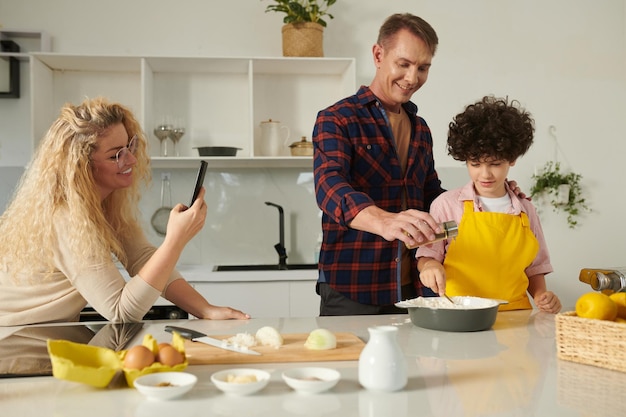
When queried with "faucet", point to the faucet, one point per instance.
{"points": [[280, 246]]}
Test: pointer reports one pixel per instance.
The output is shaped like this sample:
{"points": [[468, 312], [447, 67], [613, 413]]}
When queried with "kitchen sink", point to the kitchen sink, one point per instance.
{"points": [[272, 267]]}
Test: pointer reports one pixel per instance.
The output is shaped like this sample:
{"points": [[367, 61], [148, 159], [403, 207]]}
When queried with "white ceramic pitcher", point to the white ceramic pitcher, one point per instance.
{"points": [[382, 366], [274, 137]]}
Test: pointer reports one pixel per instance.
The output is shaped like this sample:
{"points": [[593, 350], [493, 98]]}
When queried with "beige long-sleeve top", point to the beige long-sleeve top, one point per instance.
{"points": [[61, 296]]}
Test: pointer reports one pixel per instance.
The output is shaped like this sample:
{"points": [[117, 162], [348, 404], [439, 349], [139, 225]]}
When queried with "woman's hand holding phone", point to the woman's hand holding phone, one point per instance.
{"points": [[184, 223]]}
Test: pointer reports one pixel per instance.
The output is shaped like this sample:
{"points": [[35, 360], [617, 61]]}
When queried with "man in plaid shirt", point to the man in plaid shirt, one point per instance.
{"points": [[375, 179]]}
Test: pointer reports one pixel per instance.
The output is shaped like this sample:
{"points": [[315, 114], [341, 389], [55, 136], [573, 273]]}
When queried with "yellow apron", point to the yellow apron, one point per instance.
{"points": [[489, 257]]}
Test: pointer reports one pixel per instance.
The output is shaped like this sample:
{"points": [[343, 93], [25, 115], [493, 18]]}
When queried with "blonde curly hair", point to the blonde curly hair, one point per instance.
{"points": [[60, 177]]}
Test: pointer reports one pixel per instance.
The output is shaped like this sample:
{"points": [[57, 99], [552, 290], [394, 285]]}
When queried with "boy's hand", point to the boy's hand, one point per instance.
{"points": [[548, 302], [433, 275]]}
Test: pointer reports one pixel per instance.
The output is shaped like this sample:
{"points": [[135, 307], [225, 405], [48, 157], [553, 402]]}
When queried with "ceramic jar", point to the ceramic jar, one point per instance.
{"points": [[382, 366], [274, 137]]}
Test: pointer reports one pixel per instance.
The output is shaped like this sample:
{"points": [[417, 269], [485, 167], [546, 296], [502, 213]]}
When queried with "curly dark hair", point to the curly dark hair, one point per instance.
{"points": [[491, 128]]}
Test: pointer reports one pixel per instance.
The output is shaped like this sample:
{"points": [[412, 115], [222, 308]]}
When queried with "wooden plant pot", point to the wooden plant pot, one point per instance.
{"points": [[305, 39]]}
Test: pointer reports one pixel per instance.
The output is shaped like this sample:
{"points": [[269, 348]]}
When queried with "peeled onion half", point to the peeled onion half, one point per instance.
{"points": [[321, 339], [269, 336]]}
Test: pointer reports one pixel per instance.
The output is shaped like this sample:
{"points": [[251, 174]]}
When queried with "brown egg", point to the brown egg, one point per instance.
{"points": [[169, 356], [138, 357]]}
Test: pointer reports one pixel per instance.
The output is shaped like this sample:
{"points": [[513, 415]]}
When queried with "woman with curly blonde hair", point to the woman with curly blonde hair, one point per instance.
{"points": [[75, 212]]}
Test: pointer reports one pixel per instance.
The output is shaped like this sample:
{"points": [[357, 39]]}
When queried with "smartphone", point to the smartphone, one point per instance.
{"points": [[199, 181]]}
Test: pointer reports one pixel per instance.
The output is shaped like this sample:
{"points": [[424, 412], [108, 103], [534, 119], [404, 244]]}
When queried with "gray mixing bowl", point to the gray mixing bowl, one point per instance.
{"points": [[471, 314]]}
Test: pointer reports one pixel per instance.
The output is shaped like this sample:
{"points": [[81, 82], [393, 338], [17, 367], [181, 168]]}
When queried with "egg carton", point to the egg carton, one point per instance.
{"points": [[99, 366]]}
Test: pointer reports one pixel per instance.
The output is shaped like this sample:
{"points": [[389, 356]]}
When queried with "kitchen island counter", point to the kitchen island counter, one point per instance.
{"points": [[511, 370]]}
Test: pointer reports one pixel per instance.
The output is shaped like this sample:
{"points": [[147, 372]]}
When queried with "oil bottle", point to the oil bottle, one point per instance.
{"points": [[607, 280], [448, 229]]}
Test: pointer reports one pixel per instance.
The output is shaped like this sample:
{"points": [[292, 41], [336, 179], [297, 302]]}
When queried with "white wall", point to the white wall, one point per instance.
{"points": [[565, 60]]}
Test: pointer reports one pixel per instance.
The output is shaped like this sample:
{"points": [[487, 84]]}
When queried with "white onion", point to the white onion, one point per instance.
{"points": [[241, 340], [269, 336], [321, 339]]}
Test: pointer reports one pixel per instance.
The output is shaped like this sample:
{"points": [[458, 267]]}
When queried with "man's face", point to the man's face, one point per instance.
{"points": [[402, 68]]}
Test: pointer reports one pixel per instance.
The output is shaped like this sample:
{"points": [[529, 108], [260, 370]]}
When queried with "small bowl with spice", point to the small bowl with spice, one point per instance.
{"points": [[165, 385], [241, 381], [311, 380]]}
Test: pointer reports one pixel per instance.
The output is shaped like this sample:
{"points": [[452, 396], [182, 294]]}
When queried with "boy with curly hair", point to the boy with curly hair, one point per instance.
{"points": [[500, 251]]}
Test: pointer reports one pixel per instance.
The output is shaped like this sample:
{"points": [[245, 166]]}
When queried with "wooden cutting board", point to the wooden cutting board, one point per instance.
{"points": [[349, 347]]}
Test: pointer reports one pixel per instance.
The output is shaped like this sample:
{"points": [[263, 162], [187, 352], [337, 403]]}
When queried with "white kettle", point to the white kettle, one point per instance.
{"points": [[274, 138]]}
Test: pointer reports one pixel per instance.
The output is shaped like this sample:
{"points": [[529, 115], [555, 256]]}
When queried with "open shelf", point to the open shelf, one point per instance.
{"points": [[221, 101], [218, 162]]}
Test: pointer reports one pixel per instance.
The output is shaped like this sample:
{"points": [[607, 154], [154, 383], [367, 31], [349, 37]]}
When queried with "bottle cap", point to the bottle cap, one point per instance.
{"points": [[451, 229]]}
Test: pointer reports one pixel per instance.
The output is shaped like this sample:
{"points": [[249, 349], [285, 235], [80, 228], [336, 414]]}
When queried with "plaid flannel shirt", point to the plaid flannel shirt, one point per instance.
{"points": [[356, 165]]}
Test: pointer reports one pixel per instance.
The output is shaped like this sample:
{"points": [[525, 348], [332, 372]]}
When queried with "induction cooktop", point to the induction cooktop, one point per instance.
{"points": [[25, 352]]}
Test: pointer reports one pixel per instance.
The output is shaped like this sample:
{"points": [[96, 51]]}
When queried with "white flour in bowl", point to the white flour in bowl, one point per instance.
{"points": [[460, 303]]}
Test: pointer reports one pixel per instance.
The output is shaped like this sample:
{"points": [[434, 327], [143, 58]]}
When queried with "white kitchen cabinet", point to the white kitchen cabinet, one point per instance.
{"points": [[264, 298], [259, 299], [285, 293], [221, 100], [303, 300]]}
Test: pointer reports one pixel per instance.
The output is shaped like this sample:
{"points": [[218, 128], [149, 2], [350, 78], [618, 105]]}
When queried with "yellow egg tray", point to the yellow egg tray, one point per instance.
{"points": [[97, 366]]}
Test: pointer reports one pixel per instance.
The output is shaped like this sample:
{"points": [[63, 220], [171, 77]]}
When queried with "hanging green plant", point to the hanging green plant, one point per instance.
{"points": [[563, 189]]}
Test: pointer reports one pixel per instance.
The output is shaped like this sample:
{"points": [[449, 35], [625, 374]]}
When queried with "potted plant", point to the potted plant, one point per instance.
{"points": [[565, 190], [304, 25]]}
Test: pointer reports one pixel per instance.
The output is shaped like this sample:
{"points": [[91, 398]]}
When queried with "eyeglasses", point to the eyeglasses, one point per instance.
{"points": [[122, 154]]}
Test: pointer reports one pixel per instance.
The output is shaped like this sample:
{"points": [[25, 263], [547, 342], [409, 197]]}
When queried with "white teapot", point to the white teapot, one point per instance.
{"points": [[274, 137]]}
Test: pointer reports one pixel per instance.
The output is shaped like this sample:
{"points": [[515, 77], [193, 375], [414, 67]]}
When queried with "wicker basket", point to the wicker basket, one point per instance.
{"points": [[592, 342], [303, 39]]}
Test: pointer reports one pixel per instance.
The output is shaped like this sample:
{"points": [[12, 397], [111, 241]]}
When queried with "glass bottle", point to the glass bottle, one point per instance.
{"points": [[448, 229], [604, 279]]}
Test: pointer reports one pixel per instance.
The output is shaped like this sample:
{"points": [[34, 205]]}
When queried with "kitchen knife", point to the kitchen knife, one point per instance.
{"points": [[196, 336]]}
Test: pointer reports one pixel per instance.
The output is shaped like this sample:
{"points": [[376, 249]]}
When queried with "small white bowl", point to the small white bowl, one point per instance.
{"points": [[165, 385], [220, 379], [311, 380]]}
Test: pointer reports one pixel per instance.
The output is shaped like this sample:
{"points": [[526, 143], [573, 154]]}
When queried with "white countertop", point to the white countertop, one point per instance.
{"points": [[511, 370], [205, 273]]}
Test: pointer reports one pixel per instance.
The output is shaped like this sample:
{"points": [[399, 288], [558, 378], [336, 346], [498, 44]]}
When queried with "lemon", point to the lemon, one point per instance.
{"points": [[595, 305], [620, 299]]}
